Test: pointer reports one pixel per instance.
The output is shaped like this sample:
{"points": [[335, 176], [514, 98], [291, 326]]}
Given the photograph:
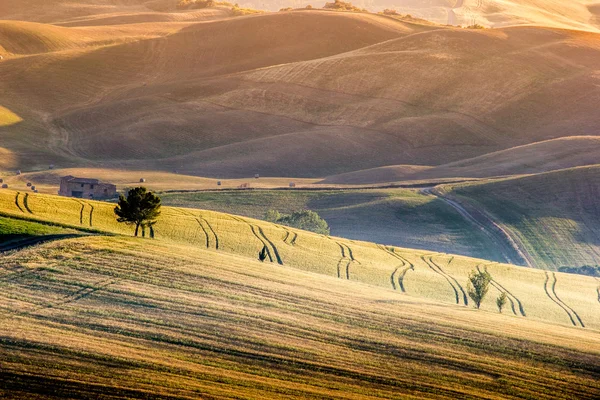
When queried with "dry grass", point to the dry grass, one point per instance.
{"points": [[421, 273], [147, 319]]}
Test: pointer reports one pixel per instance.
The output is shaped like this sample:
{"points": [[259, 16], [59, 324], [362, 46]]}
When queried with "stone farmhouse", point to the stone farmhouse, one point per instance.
{"points": [[84, 188]]}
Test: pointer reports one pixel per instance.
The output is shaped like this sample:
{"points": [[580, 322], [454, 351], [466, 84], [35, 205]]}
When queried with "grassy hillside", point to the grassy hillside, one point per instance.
{"points": [[400, 217], [552, 216], [126, 318], [420, 273]]}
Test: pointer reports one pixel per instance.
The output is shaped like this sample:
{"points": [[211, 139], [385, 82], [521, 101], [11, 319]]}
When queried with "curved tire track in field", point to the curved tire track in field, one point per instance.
{"points": [[91, 214], [206, 227], [17, 202], [82, 204], [26, 203], [346, 260], [550, 288], [598, 290], [260, 235], [406, 265], [205, 232], [290, 237], [456, 287], [511, 297]]}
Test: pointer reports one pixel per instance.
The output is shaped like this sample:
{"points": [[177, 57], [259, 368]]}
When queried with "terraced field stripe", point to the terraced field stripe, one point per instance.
{"points": [[80, 294], [550, 289], [511, 297], [26, 204], [17, 202]]}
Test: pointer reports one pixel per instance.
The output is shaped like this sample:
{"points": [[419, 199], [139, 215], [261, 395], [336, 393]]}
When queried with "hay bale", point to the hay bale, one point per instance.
{"points": [[28, 184], [5, 186], [33, 188], [142, 180]]}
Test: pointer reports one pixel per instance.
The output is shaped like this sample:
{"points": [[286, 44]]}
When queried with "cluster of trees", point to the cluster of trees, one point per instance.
{"points": [[306, 219], [478, 287], [340, 5], [588, 270]]}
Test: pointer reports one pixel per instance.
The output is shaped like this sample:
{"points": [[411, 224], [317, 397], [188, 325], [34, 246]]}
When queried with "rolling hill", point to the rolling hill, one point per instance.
{"points": [[194, 313], [303, 94], [535, 158], [552, 217], [421, 273]]}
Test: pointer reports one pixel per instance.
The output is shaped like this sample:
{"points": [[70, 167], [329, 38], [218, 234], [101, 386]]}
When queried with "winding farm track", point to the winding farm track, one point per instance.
{"points": [[17, 202], [550, 289], [346, 260], [507, 246], [511, 297], [206, 228], [26, 203]]}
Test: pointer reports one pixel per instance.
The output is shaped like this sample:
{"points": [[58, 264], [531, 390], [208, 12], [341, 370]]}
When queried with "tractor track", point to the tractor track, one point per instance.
{"points": [[511, 297], [260, 235], [17, 202], [91, 214], [456, 287], [346, 261], [206, 227], [406, 266], [550, 289], [26, 203], [290, 237]]}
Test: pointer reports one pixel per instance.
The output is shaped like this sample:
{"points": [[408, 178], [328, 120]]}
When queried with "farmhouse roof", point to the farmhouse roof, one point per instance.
{"points": [[81, 180]]}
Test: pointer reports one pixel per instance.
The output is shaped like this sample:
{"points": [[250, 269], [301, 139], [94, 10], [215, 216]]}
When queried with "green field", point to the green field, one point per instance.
{"points": [[554, 217], [399, 217]]}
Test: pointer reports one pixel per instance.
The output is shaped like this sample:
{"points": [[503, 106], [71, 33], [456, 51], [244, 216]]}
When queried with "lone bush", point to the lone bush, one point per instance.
{"points": [[478, 286], [262, 255]]}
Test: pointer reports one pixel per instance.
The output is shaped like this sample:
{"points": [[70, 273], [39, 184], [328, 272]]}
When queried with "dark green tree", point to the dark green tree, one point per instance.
{"points": [[307, 220], [478, 286], [141, 208], [262, 255]]}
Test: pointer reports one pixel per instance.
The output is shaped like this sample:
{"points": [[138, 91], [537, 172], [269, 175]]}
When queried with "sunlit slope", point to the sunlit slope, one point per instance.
{"points": [[307, 94], [545, 156], [146, 88], [424, 274], [553, 216], [574, 14], [400, 217], [126, 318], [426, 99]]}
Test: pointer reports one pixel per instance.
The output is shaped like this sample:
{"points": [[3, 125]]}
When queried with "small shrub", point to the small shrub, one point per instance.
{"points": [[501, 301], [478, 286], [272, 216], [475, 26], [286, 9], [262, 255], [388, 11]]}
